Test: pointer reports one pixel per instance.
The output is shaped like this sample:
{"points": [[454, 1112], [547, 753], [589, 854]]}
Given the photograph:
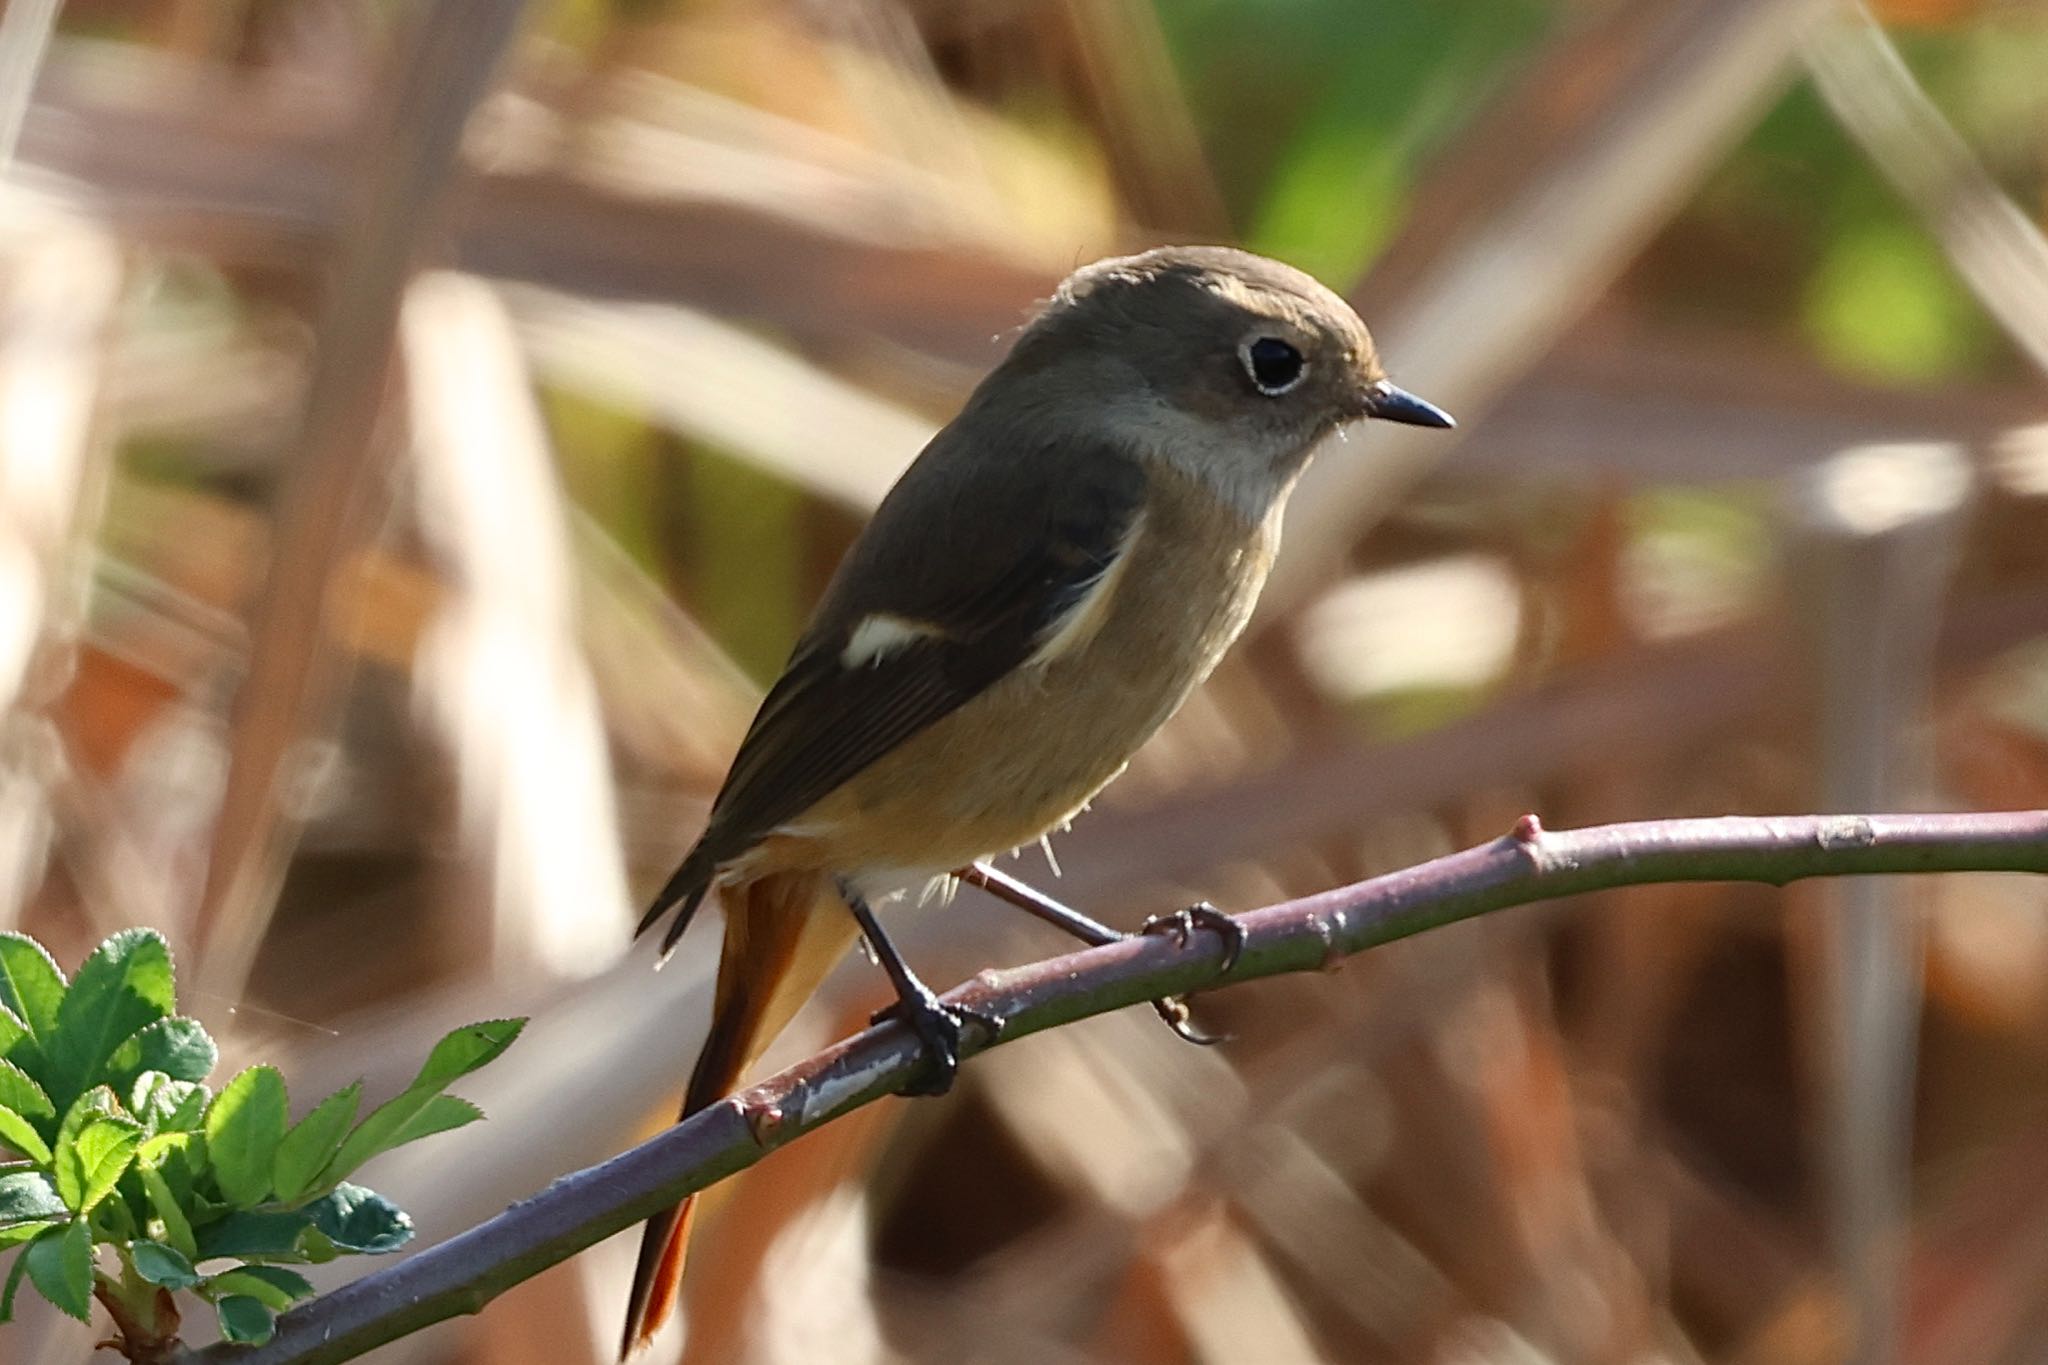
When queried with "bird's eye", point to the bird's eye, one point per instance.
{"points": [[1274, 365]]}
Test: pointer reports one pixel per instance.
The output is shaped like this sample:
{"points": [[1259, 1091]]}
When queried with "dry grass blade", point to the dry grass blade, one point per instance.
{"points": [[1560, 226], [1997, 249], [327, 505], [59, 283], [1876, 536], [501, 665], [707, 378], [24, 37]]}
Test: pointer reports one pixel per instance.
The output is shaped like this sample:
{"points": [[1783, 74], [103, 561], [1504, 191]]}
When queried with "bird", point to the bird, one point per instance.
{"points": [[1042, 588]]}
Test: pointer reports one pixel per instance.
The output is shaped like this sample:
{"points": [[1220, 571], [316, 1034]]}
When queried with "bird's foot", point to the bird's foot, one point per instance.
{"points": [[1182, 924], [1173, 1010], [938, 1026]]}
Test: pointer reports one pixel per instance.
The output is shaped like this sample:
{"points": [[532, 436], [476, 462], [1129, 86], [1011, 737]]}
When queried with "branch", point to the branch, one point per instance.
{"points": [[1314, 933]]}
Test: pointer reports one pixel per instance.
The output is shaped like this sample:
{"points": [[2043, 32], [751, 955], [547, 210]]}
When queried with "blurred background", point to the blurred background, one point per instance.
{"points": [[424, 427]]}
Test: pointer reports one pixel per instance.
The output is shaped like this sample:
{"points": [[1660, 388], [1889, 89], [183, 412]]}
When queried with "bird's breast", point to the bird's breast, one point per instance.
{"points": [[1030, 751]]}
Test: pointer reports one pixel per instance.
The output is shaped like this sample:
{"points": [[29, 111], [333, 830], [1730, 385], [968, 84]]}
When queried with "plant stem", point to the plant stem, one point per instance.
{"points": [[1316, 932]]}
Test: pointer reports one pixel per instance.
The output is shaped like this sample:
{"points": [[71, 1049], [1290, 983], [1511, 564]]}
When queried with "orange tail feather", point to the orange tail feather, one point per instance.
{"points": [[782, 934]]}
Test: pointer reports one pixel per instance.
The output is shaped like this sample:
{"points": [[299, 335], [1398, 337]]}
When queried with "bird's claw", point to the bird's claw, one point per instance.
{"points": [[937, 1026], [1182, 924], [1173, 1009], [1201, 915]]}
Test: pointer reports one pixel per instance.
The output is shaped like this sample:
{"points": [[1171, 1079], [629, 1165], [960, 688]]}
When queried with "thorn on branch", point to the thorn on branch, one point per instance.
{"points": [[762, 1121]]}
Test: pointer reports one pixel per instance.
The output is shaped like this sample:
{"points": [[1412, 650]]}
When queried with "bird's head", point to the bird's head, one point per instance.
{"points": [[1225, 362]]}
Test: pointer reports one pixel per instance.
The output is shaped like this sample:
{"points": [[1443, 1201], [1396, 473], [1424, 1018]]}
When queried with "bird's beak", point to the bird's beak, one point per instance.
{"points": [[1384, 400]]}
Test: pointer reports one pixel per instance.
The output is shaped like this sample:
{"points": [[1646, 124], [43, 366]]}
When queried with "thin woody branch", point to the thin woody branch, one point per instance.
{"points": [[1315, 932]]}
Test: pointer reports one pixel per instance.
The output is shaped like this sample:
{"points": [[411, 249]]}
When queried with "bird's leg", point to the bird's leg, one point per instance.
{"points": [[1173, 1009], [1031, 900], [936, 1024]]}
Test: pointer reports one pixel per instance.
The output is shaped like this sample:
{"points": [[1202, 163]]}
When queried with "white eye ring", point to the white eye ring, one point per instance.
{"points": [[1273, 364]]}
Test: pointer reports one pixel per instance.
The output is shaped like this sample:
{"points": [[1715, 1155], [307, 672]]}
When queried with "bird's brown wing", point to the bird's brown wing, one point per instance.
{"points": [[988, 554]]}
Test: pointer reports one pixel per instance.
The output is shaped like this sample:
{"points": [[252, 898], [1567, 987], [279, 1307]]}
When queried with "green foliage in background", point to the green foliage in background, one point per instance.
{"points": [[122, 1145], [1321, 115], [1823, 244]]}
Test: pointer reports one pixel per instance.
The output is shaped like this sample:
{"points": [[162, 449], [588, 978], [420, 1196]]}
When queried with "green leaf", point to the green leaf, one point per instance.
{"points": [[16, 1233], [89, 1166], [312, 1143], [442, 1114], [18, 1133], [288, 1282], [245, 1320], [179, 1047], [27, 1196], [465, 1049], [166, 1105], [243, 1129], [177, 1227], [190, 1112], [271, 1234], [380, 1132], [60, 1267], [272, 1286], [122, 986], [157, 1148], [357, 1219], [456, 1055], [19, 1092], [96, 1103], [31, 987], [163, 1265], [12, 1033]]}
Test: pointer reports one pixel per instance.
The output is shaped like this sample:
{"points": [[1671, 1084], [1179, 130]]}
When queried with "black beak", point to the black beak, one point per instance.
{"points": [[1384, 401]]}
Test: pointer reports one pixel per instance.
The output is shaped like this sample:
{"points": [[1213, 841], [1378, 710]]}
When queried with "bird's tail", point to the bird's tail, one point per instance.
{"points": [[781, 937]]}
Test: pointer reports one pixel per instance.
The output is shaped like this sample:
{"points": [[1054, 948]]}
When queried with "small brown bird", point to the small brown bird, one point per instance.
{"points": [[1043, 588]]}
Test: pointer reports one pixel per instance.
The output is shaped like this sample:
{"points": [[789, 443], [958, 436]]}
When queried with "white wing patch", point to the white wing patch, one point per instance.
{"points": [[1078, 626], [880, 635]]}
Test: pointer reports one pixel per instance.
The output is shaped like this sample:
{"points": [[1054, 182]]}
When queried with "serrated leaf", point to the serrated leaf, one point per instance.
{"points": [[164, 1203], [444, 1113], [270, 1234], [156, 1100], [31, 987], [179, 1047], [380, 1132], [60, 1267], [19, 1092], [162, 1265], [18, 1133], [272, 1286], [465, 1049], [190, 1113], [317, 1248], [167, 1108], [243, 1127], [359, 1219], [14, 1035], [16, 1233], [123, 986], [245, 1320], [28, 1196], [91, 1164], [287, 1282], [96, 1103], [312, 1143]]}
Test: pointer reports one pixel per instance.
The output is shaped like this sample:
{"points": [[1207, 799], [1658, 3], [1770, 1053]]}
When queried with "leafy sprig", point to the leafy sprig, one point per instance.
{"points": [[123, 1176]]}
